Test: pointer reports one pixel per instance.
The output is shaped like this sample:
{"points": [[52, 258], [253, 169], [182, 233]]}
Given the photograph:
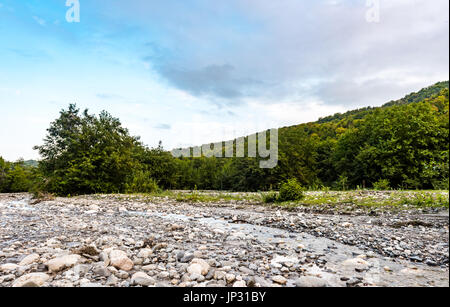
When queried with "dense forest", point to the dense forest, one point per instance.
{"points": [[403, 144]]}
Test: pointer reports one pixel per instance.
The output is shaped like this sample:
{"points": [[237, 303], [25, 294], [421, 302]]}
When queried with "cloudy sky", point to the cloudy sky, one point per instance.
{"points": [[197, 71]]}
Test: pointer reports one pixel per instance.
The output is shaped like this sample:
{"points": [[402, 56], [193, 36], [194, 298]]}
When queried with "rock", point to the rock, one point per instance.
{"points": [[120, 260], [81, 269], [218, 275], [311, 282], [8, 267], [91, 285], [29, 259], [204, 266], [142, 279], [112, 281], [357, 264], [122, 274], [145, 253], [230, 278], [175, 227], [239, 284], [61, 263], [354, 281], [279, 280], [279, 261], [31, 280], [194, 268], [103, 256], [346, 224], [101, 270], [187, 258], [88, 250]]}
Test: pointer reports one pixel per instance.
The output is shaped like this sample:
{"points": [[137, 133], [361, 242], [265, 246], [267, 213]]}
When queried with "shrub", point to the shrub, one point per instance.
{"points": [[382, 184], [290, 190], [142, 183], [269, 197]]}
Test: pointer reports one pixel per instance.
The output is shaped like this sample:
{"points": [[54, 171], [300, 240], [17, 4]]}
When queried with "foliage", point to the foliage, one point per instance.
{"points": [[84, 154], [141, 182], [404, 143], [16, 177], [381, 185], [290, 190], [269, 197]]}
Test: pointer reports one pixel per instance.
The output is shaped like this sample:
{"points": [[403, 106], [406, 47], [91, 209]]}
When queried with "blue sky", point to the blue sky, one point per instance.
{"points": [[197, 71]]}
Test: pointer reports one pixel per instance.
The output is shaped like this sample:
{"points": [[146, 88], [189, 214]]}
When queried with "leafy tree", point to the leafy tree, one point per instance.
{"points": [[83, 153]]}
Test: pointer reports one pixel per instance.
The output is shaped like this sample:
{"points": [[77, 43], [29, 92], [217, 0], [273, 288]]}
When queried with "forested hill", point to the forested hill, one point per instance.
{"points": [[403, 144], [410, 98]]}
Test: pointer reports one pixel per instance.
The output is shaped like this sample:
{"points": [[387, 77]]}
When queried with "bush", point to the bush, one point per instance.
{"points": [[270, 197], [290, 190], [381, 185], [142, 183]]}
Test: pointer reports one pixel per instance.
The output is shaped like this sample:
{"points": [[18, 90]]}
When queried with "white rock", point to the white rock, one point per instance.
{"points": [[31, 280], [311, 281], [145, 253], [142, 279], [278, 261], [60, 263], [29, 259], [120, 260], [239, 284], [194, 268], [279, 279], [203, 265], [8, 267], [356, 263]]}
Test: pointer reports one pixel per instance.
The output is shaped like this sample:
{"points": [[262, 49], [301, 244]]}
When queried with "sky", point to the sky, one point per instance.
{"points": [[198, 71]]}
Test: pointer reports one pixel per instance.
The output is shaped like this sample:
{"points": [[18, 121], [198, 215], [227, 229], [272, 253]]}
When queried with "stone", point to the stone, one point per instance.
{"points": [[194, 268], [357, 264], [239, 284], [8, 267], [187, 258], [101, 270], [142, 279], [29, 259], [63, 262], [279, 280], [230, 278], [112, 280], [311, 282], [91, 285], [145, 253], [31, 280], [204, 266], [120, 260]]}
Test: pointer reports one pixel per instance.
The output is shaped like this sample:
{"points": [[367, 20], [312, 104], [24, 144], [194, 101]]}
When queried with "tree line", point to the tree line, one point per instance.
{"points": [[401, 145]]}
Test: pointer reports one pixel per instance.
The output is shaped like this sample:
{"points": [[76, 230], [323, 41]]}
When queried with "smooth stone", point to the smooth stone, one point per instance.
{"points": [[31, 280], [142, 279], [29, 259], [120, 260], [61, 263], [311, 282]]}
